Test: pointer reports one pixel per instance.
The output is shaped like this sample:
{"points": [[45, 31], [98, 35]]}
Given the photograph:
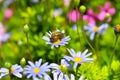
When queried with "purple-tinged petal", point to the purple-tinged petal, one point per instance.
{"points": [[68, 58], [31, 63], [45, 38], [75, 65], [92, 35], [72, 77], [46, 77], [88, 54], [53, 65], [18, 75], [84, 53], [38, 63], [60, 76], [71, 51], [55, 76], [102, 28], [81, 78], [78, 54]]}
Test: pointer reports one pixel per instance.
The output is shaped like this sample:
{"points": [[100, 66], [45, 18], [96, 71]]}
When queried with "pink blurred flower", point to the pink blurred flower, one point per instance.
{"points": [[8, 13], [90, 17], [73, 15], [3, 35], [105, 10], [67, 3]]}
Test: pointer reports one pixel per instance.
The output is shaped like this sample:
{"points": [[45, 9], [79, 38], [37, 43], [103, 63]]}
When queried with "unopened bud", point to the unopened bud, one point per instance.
{"points": [[26, 28], [76, 2], [23, 62], [63, 68], [117, 29], [107, 16], [82, 9], [8, 65], [20, 42]]}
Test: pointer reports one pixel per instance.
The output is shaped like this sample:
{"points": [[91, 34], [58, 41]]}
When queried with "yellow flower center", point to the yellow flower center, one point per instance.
{"points": [[77, 59], [8, 71], [95, 29], [57, 41], [63, 68], [12, 69], [60, 67], [118, 27], [36, 70]]}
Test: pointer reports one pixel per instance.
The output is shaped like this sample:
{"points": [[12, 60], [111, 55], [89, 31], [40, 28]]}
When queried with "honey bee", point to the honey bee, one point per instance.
{"points": [[56, 36]]}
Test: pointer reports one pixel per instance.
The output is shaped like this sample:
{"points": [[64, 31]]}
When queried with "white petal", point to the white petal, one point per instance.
{"points": [[18, 75], [102, 28], [81, 78], [49, 34], [72, 77], [84, 53], [31, 63], [75, 65], [88, 54], [60, 76], [68, 58], [54, 65], [45, 38], [92, 35]]}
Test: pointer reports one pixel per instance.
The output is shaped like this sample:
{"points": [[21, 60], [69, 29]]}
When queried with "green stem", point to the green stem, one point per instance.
{"points": [[76, 78], [28, 47], [11, 77], [56, 55], [96, 46], [111, 58], [2, 56], [85, 37], [78, 30]]}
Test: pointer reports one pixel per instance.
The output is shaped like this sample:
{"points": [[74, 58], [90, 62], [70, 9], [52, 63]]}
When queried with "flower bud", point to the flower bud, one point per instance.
{"points": [[23, 62], [76, 2], [20, 42], [8, 65], [117, 29], [63, 68], [82, 9], [107, 16], [26, 28]]}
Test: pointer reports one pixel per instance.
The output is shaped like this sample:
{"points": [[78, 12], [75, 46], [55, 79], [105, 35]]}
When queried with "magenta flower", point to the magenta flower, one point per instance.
{"points": [[90, 17], [8, 13], [73, 15], [105, 10]]}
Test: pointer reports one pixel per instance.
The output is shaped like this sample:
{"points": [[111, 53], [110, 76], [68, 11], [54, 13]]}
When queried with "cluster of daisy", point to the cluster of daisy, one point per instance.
{"points": [[39, 70]]}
